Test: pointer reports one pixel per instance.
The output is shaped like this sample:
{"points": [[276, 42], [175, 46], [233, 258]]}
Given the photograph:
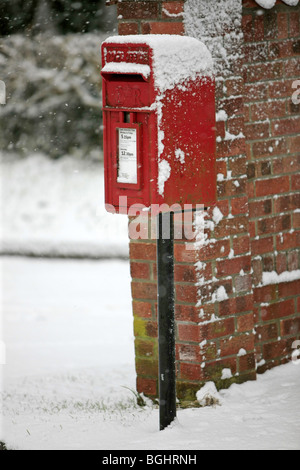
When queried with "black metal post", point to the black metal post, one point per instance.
{"points": [[166, 319]]}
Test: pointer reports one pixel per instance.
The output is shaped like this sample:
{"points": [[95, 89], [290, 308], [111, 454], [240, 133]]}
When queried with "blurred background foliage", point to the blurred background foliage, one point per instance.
{"points": [[50, 62], [59, 16]]}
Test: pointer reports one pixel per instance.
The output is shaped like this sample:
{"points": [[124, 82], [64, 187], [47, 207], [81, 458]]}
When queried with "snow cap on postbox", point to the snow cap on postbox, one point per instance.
{"points": [[175, 59]]}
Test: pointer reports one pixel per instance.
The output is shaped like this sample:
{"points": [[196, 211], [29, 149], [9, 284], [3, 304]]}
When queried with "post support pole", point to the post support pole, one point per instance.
{"points": [[166, 319]]}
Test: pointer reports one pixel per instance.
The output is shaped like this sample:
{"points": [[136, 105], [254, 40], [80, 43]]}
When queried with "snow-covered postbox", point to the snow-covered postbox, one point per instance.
{"points": [[159, 122]]}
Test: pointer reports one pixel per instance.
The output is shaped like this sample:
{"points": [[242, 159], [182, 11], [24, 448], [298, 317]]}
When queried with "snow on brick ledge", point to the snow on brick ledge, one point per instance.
{"points": [[268, 4]]}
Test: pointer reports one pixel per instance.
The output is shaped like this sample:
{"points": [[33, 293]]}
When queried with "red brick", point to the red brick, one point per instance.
{"points": [[238, 166], [292, 68], [296, 220], [138, 10], [295, 182], [184, 255], [256, 52], [144, 290], [255, 92], [247, 26], [163, 27], [286, 126], [140, 270], [257, 131], [283, 49], [172, 9], [252, 229], [241, 245], [294, 24], [278, 310], [247, 115], [190, 371], [235, 125], [233, 266], [281, 262], [217, 329], [185, 273], [126, 28], [257, 271], [188, 352], [239, 205], [250, 186], [146, 367], [142, 309], [230, 347], [218, 249], [231, 148], [287, 241], [232, 106], [292, 260], [187, 313], [280, 89], [243, 283], [259, 29], [232, 187], [234, 226], [234, 87], [213, 370], [289, 289], [274, 224], [262, 245], [269, 147], [186, 293], [286, 165], [290, 327], [143, 251], [294, 144], [276, 349], [266, 332], [223, 205], [236, 305], [247, 362], [260, 208], [245, 323], [283, 26], [265, 294], [262, 111], [272, 186], [287, 203], [263, 72], [147, 386], [145, 347]]}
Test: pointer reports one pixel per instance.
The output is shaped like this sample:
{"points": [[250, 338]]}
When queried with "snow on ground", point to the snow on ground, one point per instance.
{"points": [[69, 337], [56, 208]]}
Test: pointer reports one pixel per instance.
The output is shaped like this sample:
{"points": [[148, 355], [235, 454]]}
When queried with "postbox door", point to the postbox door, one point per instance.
{"points": [[129, 157]]}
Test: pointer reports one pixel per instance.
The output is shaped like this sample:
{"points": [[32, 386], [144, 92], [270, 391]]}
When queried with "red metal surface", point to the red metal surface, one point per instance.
{"points": [[188, 123]]}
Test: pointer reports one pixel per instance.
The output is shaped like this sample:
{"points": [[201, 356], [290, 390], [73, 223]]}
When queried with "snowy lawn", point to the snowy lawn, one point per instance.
{"points": [[70, 364], [56, 208]]}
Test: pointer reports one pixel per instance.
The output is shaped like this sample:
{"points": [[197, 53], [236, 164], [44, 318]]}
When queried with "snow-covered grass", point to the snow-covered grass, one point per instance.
{"points": [[56, 208], [68, 330]]}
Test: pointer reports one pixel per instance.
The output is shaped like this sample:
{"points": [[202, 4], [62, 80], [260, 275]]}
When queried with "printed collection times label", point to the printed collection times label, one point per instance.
{"points": [[127, 161]]}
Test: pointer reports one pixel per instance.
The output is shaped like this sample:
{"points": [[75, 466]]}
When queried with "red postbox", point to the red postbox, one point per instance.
{"points": [[159, 122]]}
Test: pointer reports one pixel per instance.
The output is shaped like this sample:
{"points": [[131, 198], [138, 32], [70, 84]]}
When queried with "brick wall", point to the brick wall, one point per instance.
{"points": [[150, 17], [272, 48], [226, 318]]}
